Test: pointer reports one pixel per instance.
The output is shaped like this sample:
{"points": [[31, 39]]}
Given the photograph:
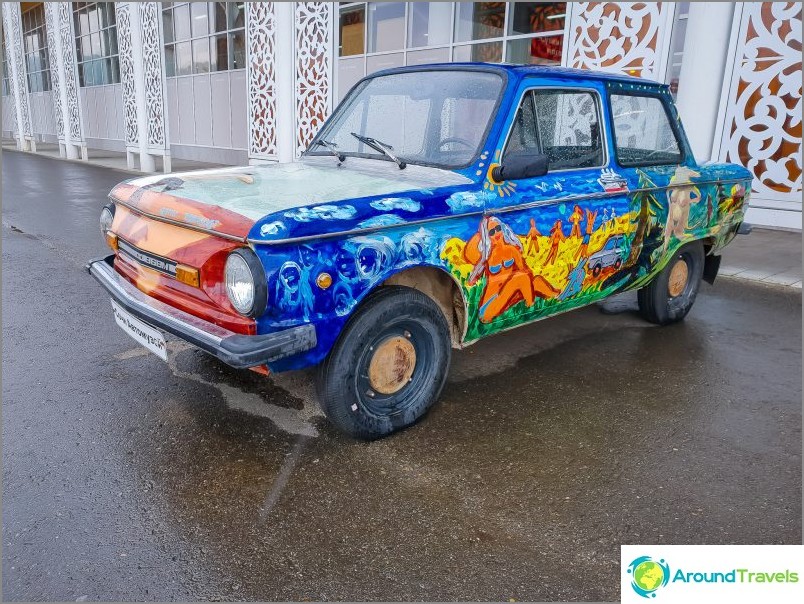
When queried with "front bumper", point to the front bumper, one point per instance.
{"points": [[234, 349]]}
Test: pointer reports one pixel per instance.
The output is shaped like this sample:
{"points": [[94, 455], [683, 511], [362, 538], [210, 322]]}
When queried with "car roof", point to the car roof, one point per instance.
{"points": [[526, 70]]}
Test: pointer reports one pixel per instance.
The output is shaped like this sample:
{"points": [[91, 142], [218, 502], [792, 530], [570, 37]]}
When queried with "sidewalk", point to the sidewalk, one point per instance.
{"points": [[111, 159], [767, 256]]}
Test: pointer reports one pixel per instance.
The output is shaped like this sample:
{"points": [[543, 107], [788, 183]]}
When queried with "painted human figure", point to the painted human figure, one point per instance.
{"points": [[575, 218], [590, 227], [574, 280], [680, 200], [496, 253], [556, 237], [532, 243]]}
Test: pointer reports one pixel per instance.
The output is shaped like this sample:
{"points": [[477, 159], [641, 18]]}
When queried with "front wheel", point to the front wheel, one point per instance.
{"points": [[671, 294], [388, 366]]}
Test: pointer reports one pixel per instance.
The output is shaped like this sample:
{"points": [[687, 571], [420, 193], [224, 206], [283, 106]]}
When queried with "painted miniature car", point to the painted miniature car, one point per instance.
{"points": [[611, 254], [437, 205]]}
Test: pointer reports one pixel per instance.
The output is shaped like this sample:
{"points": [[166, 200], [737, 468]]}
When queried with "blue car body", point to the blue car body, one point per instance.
{"points": [[421, 218]]}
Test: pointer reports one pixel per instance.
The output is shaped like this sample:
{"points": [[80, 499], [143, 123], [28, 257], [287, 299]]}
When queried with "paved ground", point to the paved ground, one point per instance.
{"points": [[770, 256], [125, 478], [111, 159]]}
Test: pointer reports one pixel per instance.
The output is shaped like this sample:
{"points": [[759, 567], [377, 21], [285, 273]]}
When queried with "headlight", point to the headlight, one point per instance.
{"points": [[106, 217], [245, 283]]}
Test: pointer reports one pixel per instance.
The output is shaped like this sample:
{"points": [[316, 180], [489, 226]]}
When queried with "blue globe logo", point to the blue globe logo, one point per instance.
{"points": [[648, 575]]}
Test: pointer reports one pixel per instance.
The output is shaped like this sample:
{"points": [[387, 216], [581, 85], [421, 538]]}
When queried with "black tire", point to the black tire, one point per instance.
{"points": [[617, 264], [394, 318], [656, 302], [596, 270]]}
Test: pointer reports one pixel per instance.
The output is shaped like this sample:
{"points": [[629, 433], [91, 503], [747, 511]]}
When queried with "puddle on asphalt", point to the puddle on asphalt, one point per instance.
{"points": [[245, 391]]}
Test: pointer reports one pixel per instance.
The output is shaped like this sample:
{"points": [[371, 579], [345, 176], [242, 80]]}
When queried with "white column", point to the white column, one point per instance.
{"points": [[261, 77], [285, 53], [64, 76], [12, 24], [314, 57], [56, 69], [147, 163], [290, 76], [700, 82], [142, 73]]}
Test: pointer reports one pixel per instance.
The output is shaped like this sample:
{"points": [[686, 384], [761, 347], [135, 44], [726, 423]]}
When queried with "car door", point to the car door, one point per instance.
{"points": [[539, 233], [652, 153]]}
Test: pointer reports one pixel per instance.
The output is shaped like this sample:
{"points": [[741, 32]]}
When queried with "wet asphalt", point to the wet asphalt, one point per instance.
{"points": [[126, 478]]}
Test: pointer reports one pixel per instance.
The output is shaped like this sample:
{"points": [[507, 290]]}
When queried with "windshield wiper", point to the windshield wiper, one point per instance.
{"points": [[383, 148], [332, 148]]}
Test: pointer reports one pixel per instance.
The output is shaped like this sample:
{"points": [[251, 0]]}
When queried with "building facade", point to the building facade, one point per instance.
{"points": [[238, 82]]}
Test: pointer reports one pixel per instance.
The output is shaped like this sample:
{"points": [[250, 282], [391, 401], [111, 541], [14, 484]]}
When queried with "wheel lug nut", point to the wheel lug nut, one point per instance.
{"points": [[407, 334], [370, 393]]}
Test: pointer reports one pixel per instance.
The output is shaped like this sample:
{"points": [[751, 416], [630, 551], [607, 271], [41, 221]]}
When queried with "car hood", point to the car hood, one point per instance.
{"points": [[231, 200]]}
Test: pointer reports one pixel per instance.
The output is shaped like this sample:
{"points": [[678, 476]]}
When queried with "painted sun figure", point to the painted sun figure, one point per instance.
{"points": [[503, 188]]}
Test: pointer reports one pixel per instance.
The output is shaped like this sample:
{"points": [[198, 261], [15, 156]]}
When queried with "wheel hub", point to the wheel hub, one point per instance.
{"points": [[392, 365], [679, 275]]}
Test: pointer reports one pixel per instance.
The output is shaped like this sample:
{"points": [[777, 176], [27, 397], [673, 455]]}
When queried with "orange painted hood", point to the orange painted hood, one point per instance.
{"points": [[172, 198]]}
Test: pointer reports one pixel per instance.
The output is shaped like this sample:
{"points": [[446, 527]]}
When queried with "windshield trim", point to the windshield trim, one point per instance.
{"points": [[501, 73]]}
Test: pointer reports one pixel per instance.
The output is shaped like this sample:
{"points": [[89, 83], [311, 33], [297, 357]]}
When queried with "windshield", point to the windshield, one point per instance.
{"points": [[436, 118]]}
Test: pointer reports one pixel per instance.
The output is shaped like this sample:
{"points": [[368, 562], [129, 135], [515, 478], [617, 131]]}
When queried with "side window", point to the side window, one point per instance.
{"points": [[562, 124], [642, 132], [523, 132]]}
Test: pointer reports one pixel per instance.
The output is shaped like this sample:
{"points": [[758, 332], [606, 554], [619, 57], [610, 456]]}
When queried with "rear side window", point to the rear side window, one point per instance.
{"points": [[562, 124], [643, 134]]}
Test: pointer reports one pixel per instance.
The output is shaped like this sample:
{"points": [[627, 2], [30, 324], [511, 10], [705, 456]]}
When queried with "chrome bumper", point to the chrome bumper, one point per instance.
{"points": [[234, 349]]}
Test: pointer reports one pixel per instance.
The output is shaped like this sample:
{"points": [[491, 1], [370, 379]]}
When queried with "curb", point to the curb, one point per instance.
{"points": [[784, 278], [81, 162]]}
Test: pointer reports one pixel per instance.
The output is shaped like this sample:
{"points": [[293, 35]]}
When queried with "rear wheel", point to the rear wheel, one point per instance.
{"points": [[671, 294], [388, 366]]}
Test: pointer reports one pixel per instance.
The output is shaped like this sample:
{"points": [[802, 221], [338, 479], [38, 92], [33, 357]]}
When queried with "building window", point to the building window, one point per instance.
{"points": [[34, 40], [429, 24], [479, 20], [543, 24], [201, 37], [6, 84], [353, 30], [386, 26], [487, 52], [677, 39], [96, 43], [378, 35]]}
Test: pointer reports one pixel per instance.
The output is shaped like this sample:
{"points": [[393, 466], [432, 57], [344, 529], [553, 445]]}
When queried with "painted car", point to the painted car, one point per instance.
{"points": [[611, 254], [437, 205]]}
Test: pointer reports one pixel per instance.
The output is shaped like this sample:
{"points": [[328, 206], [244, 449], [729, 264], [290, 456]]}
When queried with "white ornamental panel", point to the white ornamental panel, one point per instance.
{"points": [[313, 69], [621, 37], [762, 128], [12, 21], [9, 100], [152, 61], [51, 21], [261, 44], [127, 78], [70, 72]]}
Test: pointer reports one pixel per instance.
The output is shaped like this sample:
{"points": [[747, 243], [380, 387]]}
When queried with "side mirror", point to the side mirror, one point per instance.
{"points": [[520, 165]]}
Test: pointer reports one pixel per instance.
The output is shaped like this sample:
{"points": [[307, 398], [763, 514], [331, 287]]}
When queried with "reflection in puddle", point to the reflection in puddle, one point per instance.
{"points": [[292, 421]]}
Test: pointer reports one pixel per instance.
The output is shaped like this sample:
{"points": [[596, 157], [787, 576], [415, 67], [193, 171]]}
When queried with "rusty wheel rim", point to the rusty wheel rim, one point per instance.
{"points": [[679, 275], [392, 365]]}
